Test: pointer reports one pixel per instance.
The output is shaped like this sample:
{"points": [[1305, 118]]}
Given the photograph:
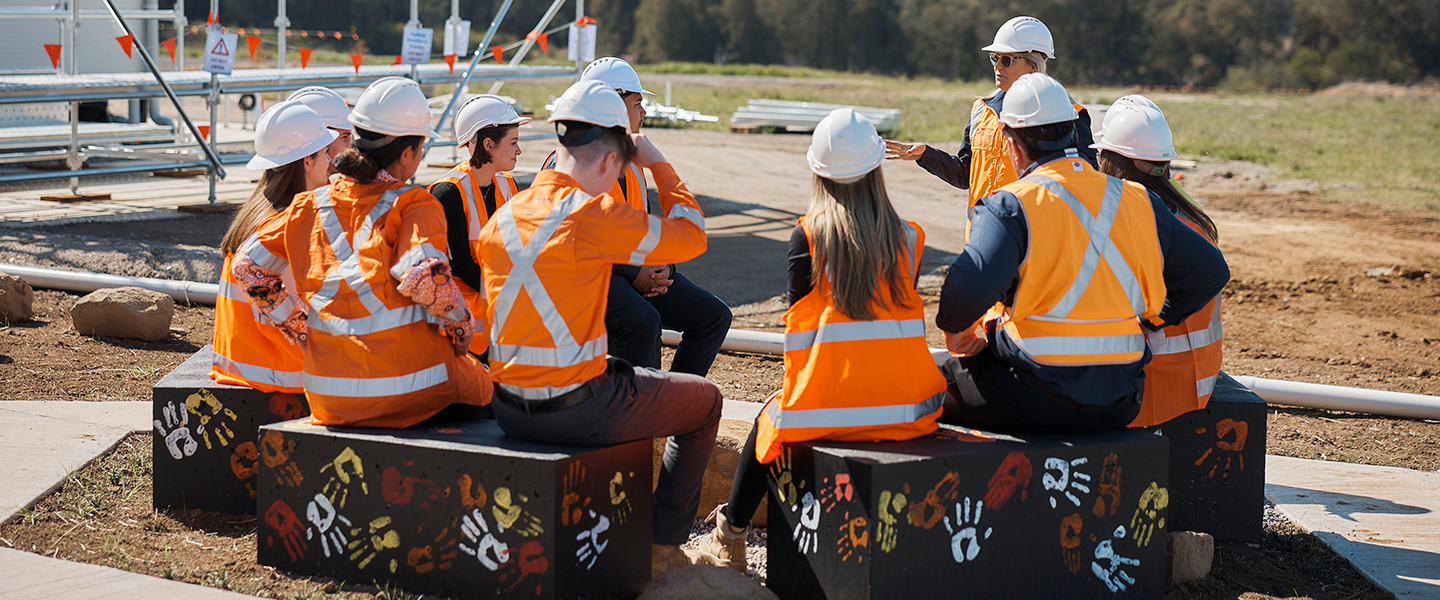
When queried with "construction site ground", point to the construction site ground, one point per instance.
{"points": [[1321, 291]]}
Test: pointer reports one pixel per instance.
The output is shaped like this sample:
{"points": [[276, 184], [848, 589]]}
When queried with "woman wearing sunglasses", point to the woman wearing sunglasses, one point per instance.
{"points": [[1022, 45]]}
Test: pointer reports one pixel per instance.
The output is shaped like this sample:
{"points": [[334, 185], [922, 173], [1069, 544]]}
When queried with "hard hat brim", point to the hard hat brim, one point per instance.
{"points": [[261, 163], [1137, 153], [470, 135], [1008, 49]]}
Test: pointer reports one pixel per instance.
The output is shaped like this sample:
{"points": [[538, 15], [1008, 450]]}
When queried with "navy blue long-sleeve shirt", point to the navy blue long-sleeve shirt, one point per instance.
{"points": [[988, 271], [955, 169]]}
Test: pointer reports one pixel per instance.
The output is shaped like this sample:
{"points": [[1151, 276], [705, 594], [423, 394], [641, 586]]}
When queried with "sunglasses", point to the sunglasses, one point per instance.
{"points": [[1004, 61]]}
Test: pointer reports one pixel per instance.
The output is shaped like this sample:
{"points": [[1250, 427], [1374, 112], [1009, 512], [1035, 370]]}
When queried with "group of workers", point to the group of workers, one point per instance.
{"points": [[1085, 298]]}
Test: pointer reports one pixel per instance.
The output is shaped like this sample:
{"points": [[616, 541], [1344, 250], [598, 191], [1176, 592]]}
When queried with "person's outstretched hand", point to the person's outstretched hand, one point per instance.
{"points": [[903, 151]]}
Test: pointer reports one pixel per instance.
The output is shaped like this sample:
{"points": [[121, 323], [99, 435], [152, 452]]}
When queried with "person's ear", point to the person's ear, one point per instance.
{"points": [[610, 159], [489, 144]]}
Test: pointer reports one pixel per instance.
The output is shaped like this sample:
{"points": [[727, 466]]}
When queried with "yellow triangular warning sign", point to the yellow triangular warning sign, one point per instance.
{"points": [[220, 49]]}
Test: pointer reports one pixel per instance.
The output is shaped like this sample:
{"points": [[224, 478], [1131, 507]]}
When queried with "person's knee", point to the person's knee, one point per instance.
{"points": [[635, 319]]}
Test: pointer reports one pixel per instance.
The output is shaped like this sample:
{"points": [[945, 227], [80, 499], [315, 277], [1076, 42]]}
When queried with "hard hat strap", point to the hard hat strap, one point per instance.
{"points": [[1156, 169]]}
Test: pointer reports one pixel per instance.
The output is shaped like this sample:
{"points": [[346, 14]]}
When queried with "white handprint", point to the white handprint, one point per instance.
{"points": [[1114, 578], [964, 535], [484, 543], [177, 421], [805, 531], [592, 546], [322, 514], [1068, 478]]}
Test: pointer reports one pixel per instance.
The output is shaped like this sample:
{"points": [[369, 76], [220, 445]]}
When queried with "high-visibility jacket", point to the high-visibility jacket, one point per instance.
{"points": [[633, 190], [476, 216], [555, 243], [990, 165], [852, 380], [1092, 269], [1185, 359], [373, 357], [251, 353]]}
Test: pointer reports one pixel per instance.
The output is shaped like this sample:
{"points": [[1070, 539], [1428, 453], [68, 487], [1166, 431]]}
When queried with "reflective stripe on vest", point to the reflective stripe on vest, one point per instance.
{"points": [[1205, 386], [1100, 244], [230, 289], [1081, 344], [854, 331], [372, 387], [470, 194], [257, 374], [860, 416], [1160, 344]]}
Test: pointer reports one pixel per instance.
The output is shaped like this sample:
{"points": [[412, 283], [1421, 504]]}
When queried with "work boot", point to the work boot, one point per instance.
{"points": [[664, 558], [725, 544]]}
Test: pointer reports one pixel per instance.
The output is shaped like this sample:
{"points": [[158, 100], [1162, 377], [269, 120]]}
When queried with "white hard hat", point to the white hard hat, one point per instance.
{"points": [[393, 106], [591, 101], [327, 103], [845, 147], [616, 73], [1023, 34], [484, 111], [1132, 99], [1036, 99], [288, 132], [1136, 129]]}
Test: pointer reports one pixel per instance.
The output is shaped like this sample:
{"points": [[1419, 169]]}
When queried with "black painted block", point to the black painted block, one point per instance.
{"points": [[457, 509], [205, 437], [1217, 465], [955, 515]]}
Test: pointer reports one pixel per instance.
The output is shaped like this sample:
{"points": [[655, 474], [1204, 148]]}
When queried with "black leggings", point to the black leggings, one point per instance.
{"points": [[750, 486]]}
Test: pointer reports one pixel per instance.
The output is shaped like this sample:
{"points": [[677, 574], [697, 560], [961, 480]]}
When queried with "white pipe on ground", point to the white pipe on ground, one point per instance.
{"points": [[71, 281], [1335, 397], [739, 340]]}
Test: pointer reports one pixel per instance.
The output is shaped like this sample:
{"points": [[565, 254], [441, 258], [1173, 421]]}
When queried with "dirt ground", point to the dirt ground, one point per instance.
{"points": [[1321, 292]]}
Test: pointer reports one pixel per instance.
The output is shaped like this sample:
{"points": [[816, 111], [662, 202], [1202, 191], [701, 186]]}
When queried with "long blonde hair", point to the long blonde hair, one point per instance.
{"points": [[858, 243]]}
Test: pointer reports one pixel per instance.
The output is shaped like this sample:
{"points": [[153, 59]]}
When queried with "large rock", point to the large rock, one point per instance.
{"points": [[1191, 555], [720, 473], [16, 299], [703, 581], [127, 312]]}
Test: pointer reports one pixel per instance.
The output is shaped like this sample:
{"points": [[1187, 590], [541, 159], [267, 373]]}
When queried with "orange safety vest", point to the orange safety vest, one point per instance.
{"points": [[633, 190], [251, 353], [990, 165], [850, 380], [1185, 359], [373, 357], [475, 219], [556, 244], [1092, 267]]}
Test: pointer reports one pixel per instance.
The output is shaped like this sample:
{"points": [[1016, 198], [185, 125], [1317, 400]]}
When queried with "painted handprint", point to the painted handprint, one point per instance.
{"points": [[892, 505], [439, 554], [243, 463], [1147, 516], [1107, 499], [590, 543], [1070, 528], [965, 534], [323, 516], [288, 406], [1111, 574], [1065, 478], [807, 530], [510, 515], [281, 518], [275, 451], [214, 418], [399, 488], [618, 501], [472, 493], [348, 472], [1014, 473], [1229, 442], [173, 426], [368, 543], [529, 560], [832, 494], [571, 504], [854, 538], [785, 485], [927, 512], [482, 543]]}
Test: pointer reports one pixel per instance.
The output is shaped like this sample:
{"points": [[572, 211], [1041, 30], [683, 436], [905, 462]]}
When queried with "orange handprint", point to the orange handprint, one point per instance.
{"points": [[927, 512]]}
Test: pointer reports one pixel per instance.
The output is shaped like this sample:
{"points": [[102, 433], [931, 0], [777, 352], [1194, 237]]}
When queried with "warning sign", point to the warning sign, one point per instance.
{"points": [[415, 45], [220, 52]]}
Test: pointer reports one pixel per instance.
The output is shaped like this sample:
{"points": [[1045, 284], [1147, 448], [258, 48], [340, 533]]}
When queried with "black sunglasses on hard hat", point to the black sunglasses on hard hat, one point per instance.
{"points": [[1004, 61]]}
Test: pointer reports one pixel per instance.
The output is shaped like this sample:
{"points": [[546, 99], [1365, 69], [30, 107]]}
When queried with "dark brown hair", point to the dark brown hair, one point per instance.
{"points": [[494, 133], [612, 139], [1115, 164], [1042, 140], [365, 164], [276, 189]]}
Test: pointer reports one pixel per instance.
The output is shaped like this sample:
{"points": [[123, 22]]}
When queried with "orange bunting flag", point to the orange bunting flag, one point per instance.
{"points": [[545, 43], [397, 60], [355, 60], [240, 31], [254, 43], [204, 131], [586, 20], [169, 47], [304, 33], [211, 19], [127, 41], [337, 36], [304, 57], [54, 51], [450, 60], [499, 52]]}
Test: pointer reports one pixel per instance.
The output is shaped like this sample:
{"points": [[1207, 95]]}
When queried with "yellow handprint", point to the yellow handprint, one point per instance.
{"points": [[348, 469], [1147, 515], [618, 499], [892, 505], [369, 544], [205, 405], [785, 489], [510, 515]]}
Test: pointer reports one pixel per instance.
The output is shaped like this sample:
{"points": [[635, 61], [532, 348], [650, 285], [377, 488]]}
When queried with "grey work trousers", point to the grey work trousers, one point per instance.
{"points": [[635, 403]]}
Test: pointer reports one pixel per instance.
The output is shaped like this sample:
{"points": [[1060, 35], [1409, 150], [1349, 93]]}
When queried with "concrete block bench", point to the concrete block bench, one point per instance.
{"points": [[205, 448], [457, 509], [985, 516], [1217, 465]]}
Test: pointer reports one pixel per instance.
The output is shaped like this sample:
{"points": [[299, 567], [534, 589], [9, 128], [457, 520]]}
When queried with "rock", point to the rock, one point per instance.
{"points": [[16, 299], [720, 473], [704, 581], [127, 312], [1381, 272], [1191, 555]]}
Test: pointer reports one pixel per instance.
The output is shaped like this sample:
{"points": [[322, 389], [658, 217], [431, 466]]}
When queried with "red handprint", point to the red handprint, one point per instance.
{"points": [[1070, 541], [275, 451], [1014, 473], [283, 520], [1109, 486], [843, 490], [399, 488], [288, 406], [1230, 449], [926, 513], [529, 560]]}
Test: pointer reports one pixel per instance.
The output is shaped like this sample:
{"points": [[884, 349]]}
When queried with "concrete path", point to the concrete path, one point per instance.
{"points": [[34, 577], [1385, 520], [40, 442]]}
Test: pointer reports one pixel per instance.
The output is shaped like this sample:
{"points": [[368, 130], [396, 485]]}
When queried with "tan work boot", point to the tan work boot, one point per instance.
{"points": [[664, 558], [725, 544]]}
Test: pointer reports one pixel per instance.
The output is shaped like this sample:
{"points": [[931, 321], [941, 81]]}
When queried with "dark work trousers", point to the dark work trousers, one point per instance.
{"points": [[990, 394], [634, 322], [749, 487], [635, 403]]}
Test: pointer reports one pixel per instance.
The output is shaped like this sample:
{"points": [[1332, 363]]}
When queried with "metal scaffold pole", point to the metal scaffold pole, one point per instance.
{"points": [[470, 70], [530, 40], [73, 159], [414, 22], [213, 99], [282, 26], [180, 24]]}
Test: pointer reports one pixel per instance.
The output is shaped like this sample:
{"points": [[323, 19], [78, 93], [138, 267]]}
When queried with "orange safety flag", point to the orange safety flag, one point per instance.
{"points": [[337, 35], [126, 41], [204, 131], [304, 57], [498, 52], [304, 33], [211, 19], [169, 47], [194, 29], [254, 43], [545, 43], [355, 59], [450, 60], [54, 51], [398, 58], [539, 37], [289, 33], [586, 20]]}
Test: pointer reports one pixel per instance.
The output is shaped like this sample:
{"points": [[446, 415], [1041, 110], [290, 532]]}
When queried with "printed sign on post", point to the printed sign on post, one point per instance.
{"points": [[220, 52], [457, 38], [415, 49], [582, 42]]}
